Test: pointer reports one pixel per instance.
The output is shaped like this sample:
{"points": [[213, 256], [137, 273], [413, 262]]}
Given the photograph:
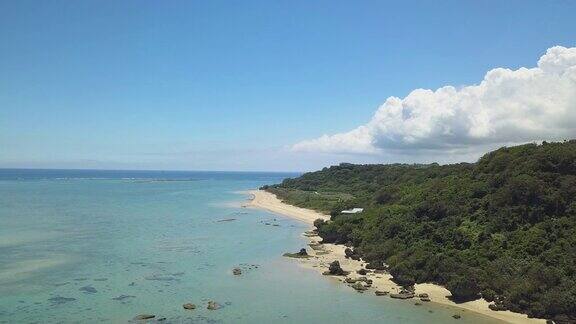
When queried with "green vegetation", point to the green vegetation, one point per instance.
{"points": [[503, 228]]}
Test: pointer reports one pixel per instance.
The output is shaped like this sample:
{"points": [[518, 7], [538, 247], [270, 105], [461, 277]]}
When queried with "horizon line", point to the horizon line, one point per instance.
{"points": [[146, 170]]}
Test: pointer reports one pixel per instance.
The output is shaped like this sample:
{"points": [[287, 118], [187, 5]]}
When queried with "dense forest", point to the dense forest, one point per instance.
{"points": [[502, 229]]}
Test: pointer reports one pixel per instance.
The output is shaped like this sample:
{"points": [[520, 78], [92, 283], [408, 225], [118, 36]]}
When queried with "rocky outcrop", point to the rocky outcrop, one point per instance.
{"points": [[212, 305], [226, 220], [359, 279], [497, 307], [351, 254], [189, 306], [424, 297], [359, 286], [58, 300], [303, 252], [366, 280], [335, 270], [403, 295], [316, 246], [300, 254], [123, 297], [88, 290], [311, 233]]}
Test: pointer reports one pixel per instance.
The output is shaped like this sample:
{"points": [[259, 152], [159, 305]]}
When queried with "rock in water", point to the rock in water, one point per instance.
{"points": [[226, 220], [237, 271], [456, 316], [60, 300], [403, 295], [300, 254], [350, 280], [122, 297], [381, 293], [212, 305], [189, 306], [88, 290], [359, 286], [144, 317]]}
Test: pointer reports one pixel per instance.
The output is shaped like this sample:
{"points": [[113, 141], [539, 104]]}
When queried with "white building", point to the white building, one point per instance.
{"points": [[353, 211]]}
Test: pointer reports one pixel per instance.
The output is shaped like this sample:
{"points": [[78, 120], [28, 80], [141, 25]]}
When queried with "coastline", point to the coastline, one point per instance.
{"points": [[323, 254]]}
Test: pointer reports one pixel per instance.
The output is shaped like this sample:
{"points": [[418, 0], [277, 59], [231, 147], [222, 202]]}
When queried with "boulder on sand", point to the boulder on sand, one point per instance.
{"points": [[335, 270], [497, 307], [424, 297], [351, 254], [366, 280]]}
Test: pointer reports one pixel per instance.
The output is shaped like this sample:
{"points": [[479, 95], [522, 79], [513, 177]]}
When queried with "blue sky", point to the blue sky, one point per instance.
{"points": [[233, 85]]}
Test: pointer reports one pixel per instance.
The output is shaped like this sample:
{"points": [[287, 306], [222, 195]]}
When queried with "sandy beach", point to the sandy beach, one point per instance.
{"points": [[323, 254]]}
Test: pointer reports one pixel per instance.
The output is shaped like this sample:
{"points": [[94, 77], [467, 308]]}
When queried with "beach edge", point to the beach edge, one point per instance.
{"points": [[268, 201]]}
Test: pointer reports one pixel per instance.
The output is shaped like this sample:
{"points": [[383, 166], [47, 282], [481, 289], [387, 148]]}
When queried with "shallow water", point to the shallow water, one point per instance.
{"points": [[91, 246]]}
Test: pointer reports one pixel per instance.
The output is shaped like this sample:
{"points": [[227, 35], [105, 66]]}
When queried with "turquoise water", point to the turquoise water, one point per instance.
{"points": [[92, 246]]}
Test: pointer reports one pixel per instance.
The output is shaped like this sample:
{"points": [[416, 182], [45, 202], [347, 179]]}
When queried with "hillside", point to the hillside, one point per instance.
{"points": [[503, 228]]}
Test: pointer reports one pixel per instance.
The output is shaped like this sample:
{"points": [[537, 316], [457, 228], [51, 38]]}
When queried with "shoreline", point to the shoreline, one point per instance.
{"points": [[323, 254]]}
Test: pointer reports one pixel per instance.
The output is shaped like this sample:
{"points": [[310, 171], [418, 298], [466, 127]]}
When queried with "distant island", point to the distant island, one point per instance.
{"points": [[502, 229]]}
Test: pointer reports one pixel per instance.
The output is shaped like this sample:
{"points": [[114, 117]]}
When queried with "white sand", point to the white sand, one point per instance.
{"points": [[330, 252], [268, 201]]}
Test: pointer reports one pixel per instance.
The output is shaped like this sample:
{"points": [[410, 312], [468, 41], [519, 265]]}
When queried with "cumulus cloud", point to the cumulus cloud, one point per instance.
{"points": [[508, 106]]}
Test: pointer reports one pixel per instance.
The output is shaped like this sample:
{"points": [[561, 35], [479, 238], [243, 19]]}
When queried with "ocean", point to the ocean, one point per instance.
{"points": [[104, 246]]}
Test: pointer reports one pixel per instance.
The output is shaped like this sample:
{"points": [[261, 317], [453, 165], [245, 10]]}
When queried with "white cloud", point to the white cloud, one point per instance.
{"points": [[508, 106]]}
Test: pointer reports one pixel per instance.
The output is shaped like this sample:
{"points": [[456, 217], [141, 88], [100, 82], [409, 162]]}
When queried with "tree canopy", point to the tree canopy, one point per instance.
{"points": [[503, 228]]}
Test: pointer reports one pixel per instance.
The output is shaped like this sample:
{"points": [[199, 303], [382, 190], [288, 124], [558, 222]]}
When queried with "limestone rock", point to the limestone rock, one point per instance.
{"points": [[189, 306]]}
